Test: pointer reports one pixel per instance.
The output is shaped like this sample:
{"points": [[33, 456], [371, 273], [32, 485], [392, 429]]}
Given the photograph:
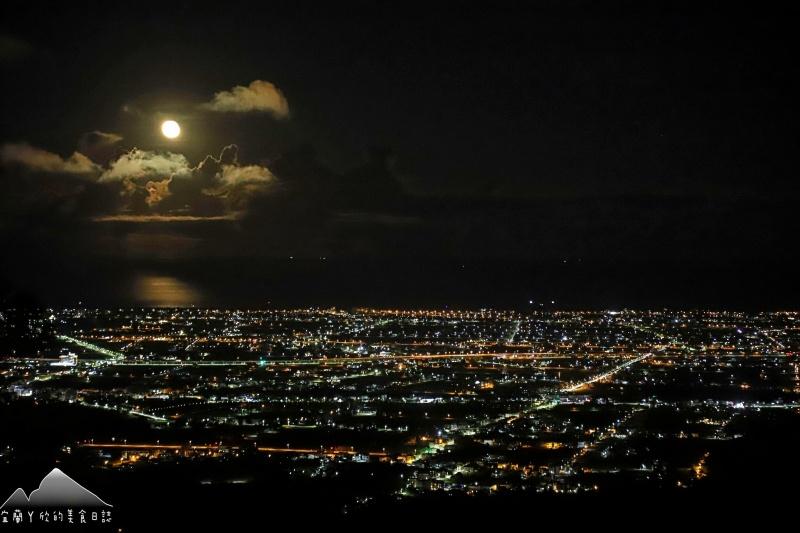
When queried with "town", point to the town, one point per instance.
{"points": [[417, 402]]}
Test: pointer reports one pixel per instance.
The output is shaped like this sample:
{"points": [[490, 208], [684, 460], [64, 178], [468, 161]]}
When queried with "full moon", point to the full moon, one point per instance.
{"points": [[170, 129]]}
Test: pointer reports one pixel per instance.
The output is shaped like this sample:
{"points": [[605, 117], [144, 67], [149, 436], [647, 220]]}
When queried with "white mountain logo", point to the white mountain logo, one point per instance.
{"points": [[56, 490]]}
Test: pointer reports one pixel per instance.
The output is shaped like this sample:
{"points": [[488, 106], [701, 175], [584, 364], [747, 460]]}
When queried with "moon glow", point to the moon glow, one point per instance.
{"points": [[170, 129]]}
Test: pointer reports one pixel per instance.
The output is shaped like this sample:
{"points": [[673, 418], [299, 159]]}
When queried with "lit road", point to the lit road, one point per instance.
{"points": [[512, 333], [92, 347], [206, 447], [604, 375], [522, 356]]}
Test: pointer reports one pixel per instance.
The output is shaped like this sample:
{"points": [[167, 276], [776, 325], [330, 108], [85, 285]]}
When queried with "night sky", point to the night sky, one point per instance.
{"points": [[590, 154]]}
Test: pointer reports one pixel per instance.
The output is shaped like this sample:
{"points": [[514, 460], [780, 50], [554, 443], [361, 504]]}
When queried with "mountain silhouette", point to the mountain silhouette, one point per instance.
{"points": [[56, 490], [18, 499]]}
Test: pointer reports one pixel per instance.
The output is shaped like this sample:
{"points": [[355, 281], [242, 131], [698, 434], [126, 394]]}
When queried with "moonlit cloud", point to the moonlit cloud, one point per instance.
{"points": [[140, 186], [157, 191], [139, 219], [234, 175], [224, 178], [237, 185], [37, 159], [138, 164], [259, 96]]}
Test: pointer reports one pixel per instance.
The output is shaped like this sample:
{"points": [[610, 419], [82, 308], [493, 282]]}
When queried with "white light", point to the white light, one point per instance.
{"points": [[170, 129]]}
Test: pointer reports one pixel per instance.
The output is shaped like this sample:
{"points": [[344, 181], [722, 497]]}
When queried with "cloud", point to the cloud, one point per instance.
{"points": [[138, 219], [165, 184], [226, 179], [235, 175], [36, 159], [259, 96], [238, 185], [157, 191], [98, 137], [135, 186], [100, 146], [140, 164]]}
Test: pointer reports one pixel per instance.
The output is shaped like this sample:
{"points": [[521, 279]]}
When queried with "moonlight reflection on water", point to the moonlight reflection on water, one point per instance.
{"points": [[165, 291]]}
